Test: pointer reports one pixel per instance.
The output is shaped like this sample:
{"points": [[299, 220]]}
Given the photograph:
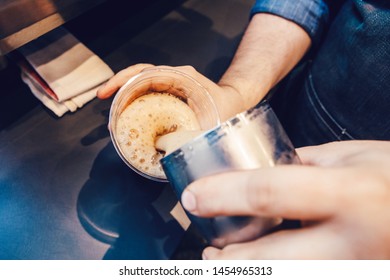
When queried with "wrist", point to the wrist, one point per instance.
{"points": [[249, 91], [229, 101]]}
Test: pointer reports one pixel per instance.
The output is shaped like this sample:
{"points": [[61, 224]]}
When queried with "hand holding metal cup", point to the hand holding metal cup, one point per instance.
{"points": [[252, 139], [164, 102]]}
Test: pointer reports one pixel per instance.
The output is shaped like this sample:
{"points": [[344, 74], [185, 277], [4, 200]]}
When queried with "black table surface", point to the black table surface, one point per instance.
{"points": [[64, 191]]}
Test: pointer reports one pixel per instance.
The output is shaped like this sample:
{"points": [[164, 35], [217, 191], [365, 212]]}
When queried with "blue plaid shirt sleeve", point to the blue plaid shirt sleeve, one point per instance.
{"points": [[311, 15]]}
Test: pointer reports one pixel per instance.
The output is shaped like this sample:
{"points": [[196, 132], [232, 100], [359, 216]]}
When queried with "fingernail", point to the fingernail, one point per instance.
{"points": [[210, 253], [188, 201]]}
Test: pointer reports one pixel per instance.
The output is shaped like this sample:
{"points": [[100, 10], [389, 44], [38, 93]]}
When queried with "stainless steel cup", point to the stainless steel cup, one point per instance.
{"points": [[250, 140]]}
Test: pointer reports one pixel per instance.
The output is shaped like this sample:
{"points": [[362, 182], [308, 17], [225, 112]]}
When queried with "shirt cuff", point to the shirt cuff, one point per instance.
{"points": [[311, 15]]}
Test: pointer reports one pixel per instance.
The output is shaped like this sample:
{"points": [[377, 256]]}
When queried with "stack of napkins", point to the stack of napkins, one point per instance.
{"points": [[61, 71]]}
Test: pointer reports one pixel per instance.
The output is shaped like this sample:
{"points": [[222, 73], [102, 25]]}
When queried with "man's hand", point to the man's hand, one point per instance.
{"points": [[341, 193], [228, 101]]}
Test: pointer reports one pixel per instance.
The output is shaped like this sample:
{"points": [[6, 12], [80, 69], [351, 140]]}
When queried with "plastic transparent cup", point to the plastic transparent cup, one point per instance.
{"points": [[250, 140], [163, 80]]}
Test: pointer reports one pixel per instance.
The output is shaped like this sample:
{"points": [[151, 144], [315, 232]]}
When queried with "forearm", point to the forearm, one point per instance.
{"points": [[270, 48]]}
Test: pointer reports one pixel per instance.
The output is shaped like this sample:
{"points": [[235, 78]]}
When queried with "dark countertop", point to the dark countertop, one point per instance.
{"points": [[64, 192], [24, 20]]}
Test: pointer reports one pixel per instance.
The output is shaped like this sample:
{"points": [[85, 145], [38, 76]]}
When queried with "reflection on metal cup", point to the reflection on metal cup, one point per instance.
{"points": [[250, 140]]}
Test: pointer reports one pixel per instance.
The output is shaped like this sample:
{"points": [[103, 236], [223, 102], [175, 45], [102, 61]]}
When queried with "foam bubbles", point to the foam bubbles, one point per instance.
{"points": [[146, 119]]}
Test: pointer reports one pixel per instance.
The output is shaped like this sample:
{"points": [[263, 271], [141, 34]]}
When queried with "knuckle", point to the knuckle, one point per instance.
{"points": [[363, 186], [188, 69], [260, 195]]}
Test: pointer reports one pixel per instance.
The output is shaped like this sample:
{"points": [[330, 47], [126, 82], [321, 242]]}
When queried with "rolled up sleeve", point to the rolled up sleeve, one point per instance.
{"points": [[311, 15]]}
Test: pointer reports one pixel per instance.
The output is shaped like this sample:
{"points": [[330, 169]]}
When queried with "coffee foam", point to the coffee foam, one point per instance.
{"points": [[143, 121]]}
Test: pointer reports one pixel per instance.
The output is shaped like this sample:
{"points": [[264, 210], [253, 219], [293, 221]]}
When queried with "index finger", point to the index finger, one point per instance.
{"points": [[113, 84], [292, 192]]}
